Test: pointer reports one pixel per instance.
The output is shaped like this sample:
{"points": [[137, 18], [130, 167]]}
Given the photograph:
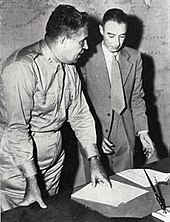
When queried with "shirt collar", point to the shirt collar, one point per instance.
{"points": [[48, 54]]}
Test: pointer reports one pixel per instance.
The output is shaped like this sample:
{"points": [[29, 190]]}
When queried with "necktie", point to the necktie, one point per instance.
{"points": [[117, 94]]}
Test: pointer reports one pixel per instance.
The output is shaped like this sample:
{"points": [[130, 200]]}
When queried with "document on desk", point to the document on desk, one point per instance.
{"points": [[119, 193], [138, 176]]}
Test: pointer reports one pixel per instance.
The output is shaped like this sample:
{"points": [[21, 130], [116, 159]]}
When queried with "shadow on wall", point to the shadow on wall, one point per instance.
{"points": [[134, 32], [94, 37], [152, 111]]}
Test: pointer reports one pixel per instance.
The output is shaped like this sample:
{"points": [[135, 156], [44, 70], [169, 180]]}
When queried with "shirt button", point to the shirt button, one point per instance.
{"points": [[49, 59], [107, 130], [108, 114]]}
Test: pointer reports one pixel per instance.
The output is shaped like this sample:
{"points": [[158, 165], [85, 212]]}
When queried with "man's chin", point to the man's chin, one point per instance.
{"points": [[73, 62], [76, 60], [114, 50]]}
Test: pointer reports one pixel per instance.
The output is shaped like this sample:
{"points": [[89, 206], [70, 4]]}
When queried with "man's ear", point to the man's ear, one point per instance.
{"points": [[62, 40], [101, 29]]}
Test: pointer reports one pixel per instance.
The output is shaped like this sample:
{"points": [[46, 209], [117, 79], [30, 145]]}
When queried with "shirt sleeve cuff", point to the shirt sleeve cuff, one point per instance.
{"points": [[28, 169], [142, 131], [91, 151]]}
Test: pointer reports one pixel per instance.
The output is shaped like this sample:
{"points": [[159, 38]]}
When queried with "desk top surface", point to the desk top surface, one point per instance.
{"points": [[62, 209]]}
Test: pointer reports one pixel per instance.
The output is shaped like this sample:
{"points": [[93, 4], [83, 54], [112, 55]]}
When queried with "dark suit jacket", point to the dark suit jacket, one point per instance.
{"points": [[99, 91]]}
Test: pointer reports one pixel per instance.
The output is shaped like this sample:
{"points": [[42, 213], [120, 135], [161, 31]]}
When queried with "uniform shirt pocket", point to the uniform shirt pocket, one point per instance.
{"points": [[44, 101]]}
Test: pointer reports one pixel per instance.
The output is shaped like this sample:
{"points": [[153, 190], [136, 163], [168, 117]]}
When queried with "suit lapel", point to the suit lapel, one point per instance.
{"points": [[102, 74], [125, 64]]}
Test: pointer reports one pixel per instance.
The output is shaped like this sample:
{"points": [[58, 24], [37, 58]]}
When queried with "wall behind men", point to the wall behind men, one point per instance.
{"points": [[23, 22]]}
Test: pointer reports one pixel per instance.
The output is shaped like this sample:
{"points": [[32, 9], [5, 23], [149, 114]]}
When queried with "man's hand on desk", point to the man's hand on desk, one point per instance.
{"points": [[148, 145], [98, 174], [32, 193]]}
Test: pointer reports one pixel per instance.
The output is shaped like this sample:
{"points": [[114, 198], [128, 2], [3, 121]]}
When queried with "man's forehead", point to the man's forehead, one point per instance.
{"points": [[114, 26]]}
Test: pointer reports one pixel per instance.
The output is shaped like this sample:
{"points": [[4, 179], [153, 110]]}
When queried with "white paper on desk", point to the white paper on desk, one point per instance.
{"points": [[162, 215], [138, 176], [119, 193]]}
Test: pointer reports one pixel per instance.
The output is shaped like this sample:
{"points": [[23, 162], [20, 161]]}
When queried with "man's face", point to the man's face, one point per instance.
{"points": [[75, 46], [114, 34]]}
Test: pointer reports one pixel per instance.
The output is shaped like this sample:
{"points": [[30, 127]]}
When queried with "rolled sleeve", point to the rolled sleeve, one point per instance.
{"points": [[90, 151]]}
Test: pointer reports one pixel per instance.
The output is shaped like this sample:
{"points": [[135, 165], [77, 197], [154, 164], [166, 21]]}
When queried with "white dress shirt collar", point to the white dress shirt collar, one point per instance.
{"points": [[108, 58]]}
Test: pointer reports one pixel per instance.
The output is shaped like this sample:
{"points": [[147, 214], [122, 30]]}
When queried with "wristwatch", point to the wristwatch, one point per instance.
{"points": [[96, 157]]}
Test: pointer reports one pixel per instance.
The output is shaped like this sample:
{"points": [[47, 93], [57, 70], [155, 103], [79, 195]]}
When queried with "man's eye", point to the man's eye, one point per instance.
{"points": [[122, 36], [111, 36], [81, 42]]}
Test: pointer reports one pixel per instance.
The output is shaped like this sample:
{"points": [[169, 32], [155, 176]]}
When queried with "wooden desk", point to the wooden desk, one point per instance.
{"points": [[62, 209]]}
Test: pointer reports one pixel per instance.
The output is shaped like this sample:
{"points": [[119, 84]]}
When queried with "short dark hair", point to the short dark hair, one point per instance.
{"points": [[65, 20], [116, 15]]}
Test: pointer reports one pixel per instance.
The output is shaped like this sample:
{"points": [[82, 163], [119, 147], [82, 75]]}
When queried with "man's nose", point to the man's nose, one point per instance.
{"points": [[85, 46], [117, 41]]}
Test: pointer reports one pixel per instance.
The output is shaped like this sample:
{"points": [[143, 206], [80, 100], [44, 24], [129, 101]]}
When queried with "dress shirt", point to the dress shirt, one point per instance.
{"points": [[39, 94], [108, 58]]}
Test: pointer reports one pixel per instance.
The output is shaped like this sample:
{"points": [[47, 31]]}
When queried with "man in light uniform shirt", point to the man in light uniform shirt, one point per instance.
{"points": [[40, 90]]}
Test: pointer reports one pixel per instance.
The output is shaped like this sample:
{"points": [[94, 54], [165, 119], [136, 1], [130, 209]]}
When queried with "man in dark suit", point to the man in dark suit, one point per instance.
{"points": [[119, 107]]}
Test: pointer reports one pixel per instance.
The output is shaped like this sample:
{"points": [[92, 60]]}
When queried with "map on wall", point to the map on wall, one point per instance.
{"points": [[23, 22], [27, 18]]}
